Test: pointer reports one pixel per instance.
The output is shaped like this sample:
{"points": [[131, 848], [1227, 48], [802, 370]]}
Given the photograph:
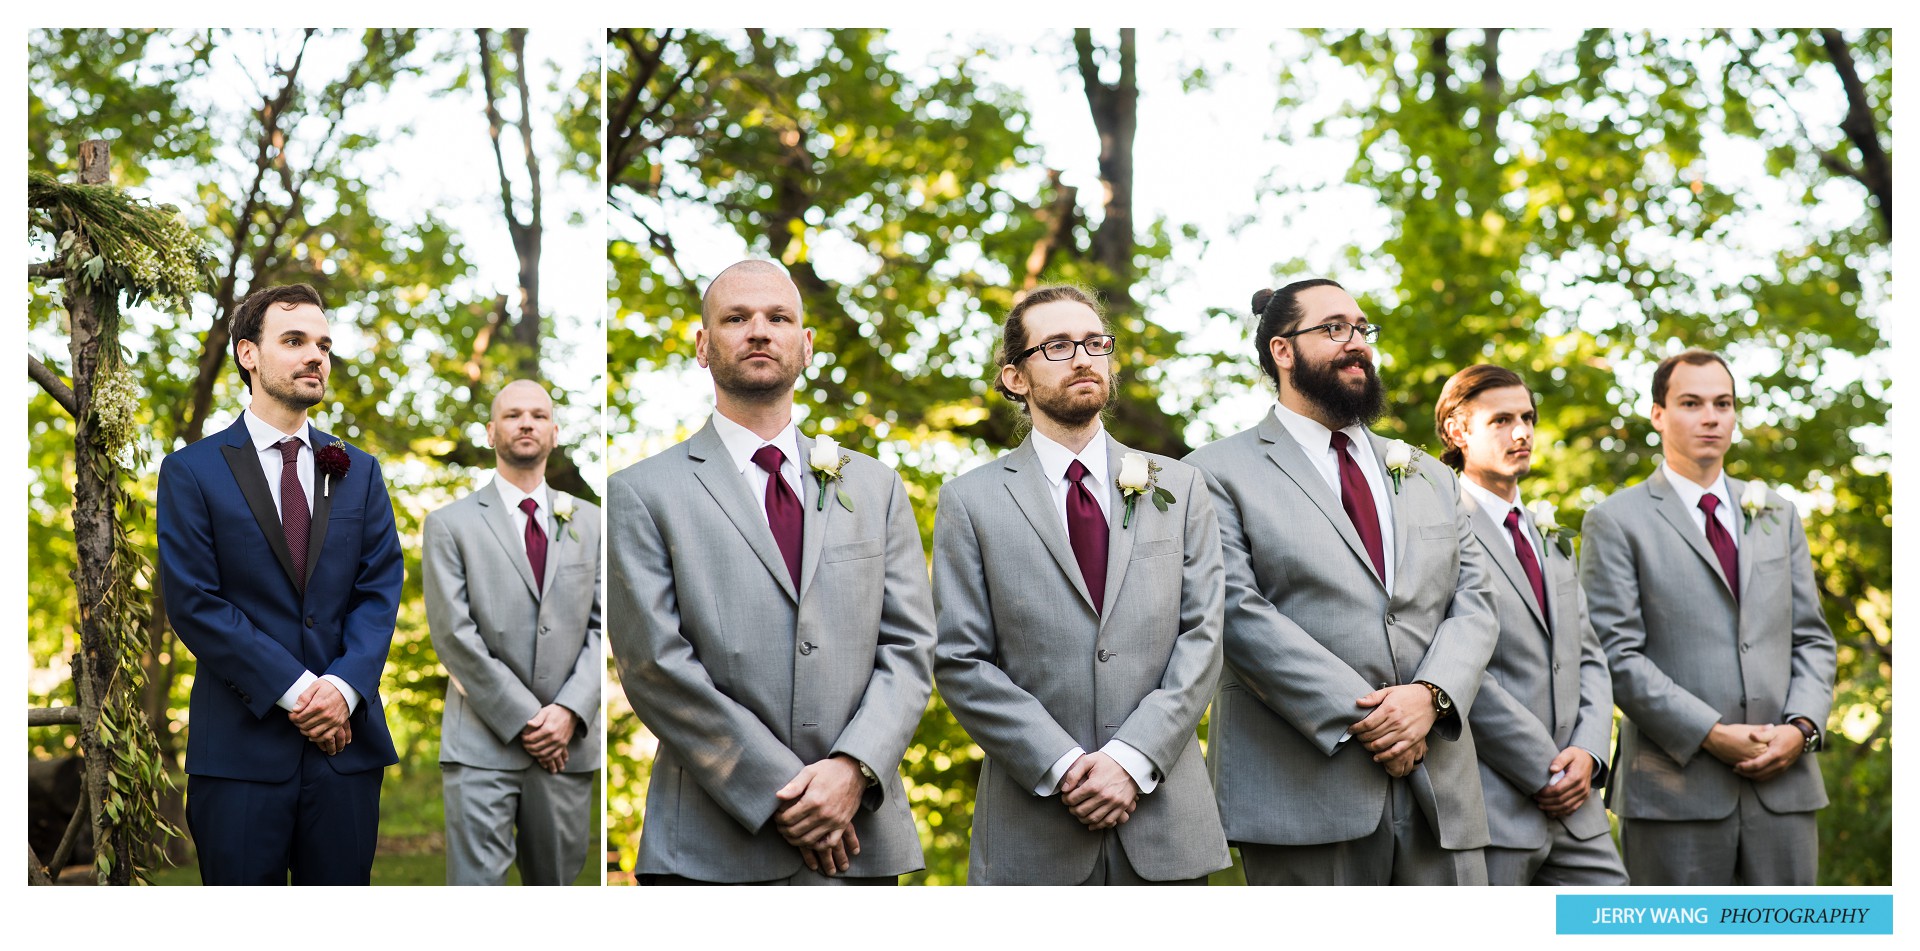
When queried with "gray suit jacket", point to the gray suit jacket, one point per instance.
{"points": [[1685, 656], [1310, 629], [744, 679], [1031, 671], [508, 650], [1546, 689]]}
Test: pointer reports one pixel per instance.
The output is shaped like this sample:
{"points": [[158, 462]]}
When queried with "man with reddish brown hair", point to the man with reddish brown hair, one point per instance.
{"points": [[1545, 711], [1702, 591]]}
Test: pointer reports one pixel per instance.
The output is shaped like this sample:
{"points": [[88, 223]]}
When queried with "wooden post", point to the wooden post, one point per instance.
{"points": [[94, 320]]}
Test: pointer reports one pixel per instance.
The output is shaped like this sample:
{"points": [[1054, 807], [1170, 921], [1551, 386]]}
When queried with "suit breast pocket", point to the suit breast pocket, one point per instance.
{"points": [[345, 513], [853, 551], [1154, 548], [1437, 530]]}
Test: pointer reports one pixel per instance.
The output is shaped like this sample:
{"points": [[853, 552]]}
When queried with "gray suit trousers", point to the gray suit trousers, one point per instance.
{"points": [[1561, 860], [491, 803], [1402, 850], [1753, 846]]}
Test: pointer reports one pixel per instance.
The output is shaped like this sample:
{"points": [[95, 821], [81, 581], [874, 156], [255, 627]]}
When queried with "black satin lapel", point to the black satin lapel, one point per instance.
{"points": [[253, 487]]}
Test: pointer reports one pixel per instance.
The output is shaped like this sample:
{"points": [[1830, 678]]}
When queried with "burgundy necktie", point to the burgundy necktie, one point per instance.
{"points": [[1528, 563], [536, 543], [295, 519], [1722, 544], [1357, 498], [1087, 532], [783, 510]]}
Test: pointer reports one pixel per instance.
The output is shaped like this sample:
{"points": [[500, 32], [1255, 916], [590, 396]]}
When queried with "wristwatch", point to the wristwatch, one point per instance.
{"points": [[1442, 704], [866, 771], [1808, 730]]}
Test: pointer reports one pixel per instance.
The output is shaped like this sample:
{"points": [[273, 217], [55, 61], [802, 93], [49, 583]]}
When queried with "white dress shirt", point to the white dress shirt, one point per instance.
{"points": [[742, 443], [1317, 440], [266, 443], [1498, 508], [1691, 492], [1055, 460], [512, 496]]}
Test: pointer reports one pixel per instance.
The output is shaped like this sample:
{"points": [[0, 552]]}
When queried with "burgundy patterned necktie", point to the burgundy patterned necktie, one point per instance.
{"points": [[1087, 533], [1528, 563], [783, 510], [536, 543], [295, 519], [1357, 498], [1722, 544]]}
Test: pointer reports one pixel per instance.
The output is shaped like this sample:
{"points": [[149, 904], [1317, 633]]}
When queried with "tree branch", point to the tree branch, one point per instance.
{"points": [[53, 716], [46, 270], [1875, 171], [55, 387]]}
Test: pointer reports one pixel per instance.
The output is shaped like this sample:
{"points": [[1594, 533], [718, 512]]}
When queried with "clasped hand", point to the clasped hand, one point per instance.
{"points": [[545, 737], [1099, 791], [1757, 751], [816, 812], [320, 714], [1395, 732]]}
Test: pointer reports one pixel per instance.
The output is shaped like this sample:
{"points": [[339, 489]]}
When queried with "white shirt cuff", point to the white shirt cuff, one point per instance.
{"points": [[1135, 763], [292, 696], [352, 696], [1050, 783]]}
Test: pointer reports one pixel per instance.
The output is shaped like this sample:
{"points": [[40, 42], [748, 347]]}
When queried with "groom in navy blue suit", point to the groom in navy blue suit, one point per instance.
{"points": [[281, 571]]}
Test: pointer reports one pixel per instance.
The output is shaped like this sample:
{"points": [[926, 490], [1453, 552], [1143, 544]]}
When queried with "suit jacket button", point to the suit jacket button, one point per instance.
{"points": [[1103, 655], [1392, 620], [1744, 647], [806, 647], [309, 620]]}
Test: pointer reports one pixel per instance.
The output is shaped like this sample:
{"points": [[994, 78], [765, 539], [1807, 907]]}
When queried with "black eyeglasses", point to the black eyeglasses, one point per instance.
{"points": [[1340, 331], [1098, 345]]}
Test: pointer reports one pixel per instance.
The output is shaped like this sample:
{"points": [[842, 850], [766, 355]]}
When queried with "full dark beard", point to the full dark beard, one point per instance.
{"points": [[1064, 408], [287, 393], [1323, 386]]}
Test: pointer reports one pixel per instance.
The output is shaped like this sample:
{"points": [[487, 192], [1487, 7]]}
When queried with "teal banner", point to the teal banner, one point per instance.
{"points": [[1725, 914]]}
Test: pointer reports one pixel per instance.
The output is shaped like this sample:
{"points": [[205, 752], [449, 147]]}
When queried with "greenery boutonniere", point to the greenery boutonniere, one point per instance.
{"points": [[1755, 503], [563, 513], [826, 462], [1400, 458], [1140, 476], [1546, 518]]}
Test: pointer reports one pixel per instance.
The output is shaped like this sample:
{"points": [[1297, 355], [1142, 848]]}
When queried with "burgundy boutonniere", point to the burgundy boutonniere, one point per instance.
{"points": [[333, 462]]}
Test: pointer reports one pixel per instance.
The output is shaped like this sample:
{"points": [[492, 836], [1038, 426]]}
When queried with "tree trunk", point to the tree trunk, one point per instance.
{"points": [[94, 319]]}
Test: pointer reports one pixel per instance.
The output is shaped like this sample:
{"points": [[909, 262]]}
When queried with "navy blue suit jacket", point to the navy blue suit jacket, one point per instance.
{"points": [[252, 626]]}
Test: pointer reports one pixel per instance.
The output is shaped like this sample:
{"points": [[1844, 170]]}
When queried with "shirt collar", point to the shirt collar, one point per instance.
{"points": [[1495, 505], [1311, 434], [1691, 491], [1055, 458], [266, 436], [511, 494], [742, 442]]}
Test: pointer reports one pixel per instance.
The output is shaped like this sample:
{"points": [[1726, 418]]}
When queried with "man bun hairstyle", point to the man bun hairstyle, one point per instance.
{"points": [[1458, 395], [1696, 356], [251, 316], [1277, 312], [1013, 336]]}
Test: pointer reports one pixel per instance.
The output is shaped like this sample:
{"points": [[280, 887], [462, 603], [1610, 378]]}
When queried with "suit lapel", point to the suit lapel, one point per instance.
{"points": [[245, 463], [322, 503], [1494, 538], [813, 525], [556, 537], [1028, 486], [1738, 489], [1667, 500], [1119, 540], [1292, 460], [500, 521], [1395, 503], [722, 481]]}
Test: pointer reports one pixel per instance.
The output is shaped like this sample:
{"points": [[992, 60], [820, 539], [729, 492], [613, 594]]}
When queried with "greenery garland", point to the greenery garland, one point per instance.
{"points": [[121, 248]]}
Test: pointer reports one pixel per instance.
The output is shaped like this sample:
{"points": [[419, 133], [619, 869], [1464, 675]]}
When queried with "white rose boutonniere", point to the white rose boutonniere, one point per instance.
{"points": [[1140, 476], [826, 462], [1755, 503], [1546, 518], [1400, 458], [563, 513]]}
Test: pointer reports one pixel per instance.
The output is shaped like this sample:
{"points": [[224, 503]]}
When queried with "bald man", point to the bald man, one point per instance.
{"points": [[773, 623], [513, 603]]}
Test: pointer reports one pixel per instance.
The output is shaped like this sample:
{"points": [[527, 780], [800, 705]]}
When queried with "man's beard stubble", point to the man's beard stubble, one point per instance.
{"points": [[748, 389], [1321, 385], [1064, 408], [287, 393]]}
